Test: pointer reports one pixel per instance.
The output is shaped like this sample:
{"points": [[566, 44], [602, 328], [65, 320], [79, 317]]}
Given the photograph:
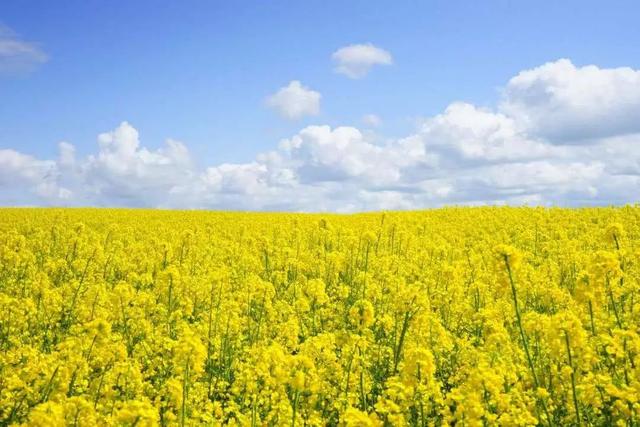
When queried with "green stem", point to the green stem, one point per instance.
{"points": [[398, 350], [295, 408], [185, 385], [523, 336], [346, 386], [593, 326], [363, 398], [573, 379]]}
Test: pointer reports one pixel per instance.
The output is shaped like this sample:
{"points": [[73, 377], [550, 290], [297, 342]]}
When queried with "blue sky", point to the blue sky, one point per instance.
{"points": [[200, 72]]}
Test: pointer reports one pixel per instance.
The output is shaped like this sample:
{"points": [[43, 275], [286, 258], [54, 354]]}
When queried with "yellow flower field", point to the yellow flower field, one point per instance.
{"points": [[474, 316]]}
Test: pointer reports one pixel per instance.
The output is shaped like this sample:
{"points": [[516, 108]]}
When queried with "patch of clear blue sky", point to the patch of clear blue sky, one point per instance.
{"points": [[198, 71]]}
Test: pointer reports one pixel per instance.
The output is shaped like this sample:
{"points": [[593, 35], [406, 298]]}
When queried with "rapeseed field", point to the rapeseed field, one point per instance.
{"points": [[466, 316]]}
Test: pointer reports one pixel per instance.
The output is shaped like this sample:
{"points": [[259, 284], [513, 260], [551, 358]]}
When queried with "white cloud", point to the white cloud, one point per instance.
{"points": [[469, 133], [17, 55], [464, 155], [564, 103], [124, 173], [322, 154], [355, 61], [295, 101], [371, 120], [542, 176], [249, 178], [67, 154], [23, 178]]}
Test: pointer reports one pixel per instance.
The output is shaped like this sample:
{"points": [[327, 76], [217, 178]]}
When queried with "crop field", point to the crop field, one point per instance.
{"points": [[467, 316]]}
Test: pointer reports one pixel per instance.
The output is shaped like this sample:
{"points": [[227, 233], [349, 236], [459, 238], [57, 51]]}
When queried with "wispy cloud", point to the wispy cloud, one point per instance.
{"points": [[18, 55], [371, 120]]}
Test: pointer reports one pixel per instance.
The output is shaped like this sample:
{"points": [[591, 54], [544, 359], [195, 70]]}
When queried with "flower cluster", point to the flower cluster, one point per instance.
{"points": [[469, 316]]}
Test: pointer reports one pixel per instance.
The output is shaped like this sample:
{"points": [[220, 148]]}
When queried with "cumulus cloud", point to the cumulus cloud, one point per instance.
{"points": [[355, 61], [530, 149], [465, 132], [24, 179], [123, 172], [17, 55], [320, 153], [295, 101], [567, 104]]}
